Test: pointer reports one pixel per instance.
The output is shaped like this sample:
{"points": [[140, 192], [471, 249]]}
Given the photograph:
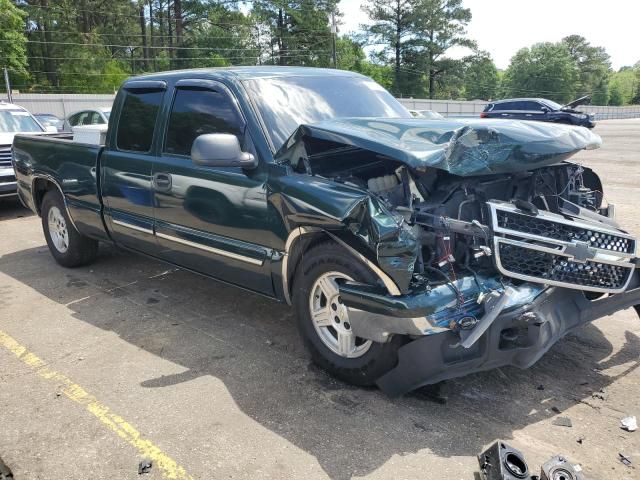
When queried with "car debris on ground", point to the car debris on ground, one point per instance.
{"points": [[503, 462], [562, 422], [625, 459], [5, 472], [630, 423], [145, 466]]}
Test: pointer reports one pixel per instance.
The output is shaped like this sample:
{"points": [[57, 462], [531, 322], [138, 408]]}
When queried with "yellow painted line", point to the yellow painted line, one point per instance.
{"points": [[169, 467]]}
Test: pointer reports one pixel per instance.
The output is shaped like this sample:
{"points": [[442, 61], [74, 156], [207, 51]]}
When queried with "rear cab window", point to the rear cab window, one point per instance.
{"points": [[138, 117]]}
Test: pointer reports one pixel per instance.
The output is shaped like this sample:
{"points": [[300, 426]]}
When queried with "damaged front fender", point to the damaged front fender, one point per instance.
{"points": [[351, 213]]}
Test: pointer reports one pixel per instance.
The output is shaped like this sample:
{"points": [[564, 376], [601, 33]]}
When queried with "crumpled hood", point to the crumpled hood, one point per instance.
{"points": [[461, 147], [586, 100]]}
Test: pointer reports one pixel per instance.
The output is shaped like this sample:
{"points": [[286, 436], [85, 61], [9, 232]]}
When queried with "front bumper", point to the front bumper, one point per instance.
{"points": [[8, 185], [519, 336]]}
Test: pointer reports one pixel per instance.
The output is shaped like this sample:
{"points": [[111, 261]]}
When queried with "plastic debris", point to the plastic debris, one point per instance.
{"points": [[145, 466], [580, 440], [562, 422], [502, 462], [630, 424], [624, 459], [600, 394], [5, 471]]}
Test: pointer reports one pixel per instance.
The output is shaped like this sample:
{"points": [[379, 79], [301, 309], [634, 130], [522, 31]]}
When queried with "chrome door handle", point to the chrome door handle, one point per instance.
{"points": [[162, 181]]}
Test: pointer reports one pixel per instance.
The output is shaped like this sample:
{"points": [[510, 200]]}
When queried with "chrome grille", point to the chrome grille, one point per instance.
{"points": [[5, 156], [555, 268], [551, 249], [564, 232]]}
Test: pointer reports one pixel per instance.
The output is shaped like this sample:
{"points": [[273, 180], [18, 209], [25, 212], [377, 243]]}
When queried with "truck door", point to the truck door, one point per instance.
{"points": [[210, 219], [126, 166]]}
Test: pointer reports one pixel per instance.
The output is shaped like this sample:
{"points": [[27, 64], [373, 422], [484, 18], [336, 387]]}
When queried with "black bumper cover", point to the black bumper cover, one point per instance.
{"points": [[518, 337]]}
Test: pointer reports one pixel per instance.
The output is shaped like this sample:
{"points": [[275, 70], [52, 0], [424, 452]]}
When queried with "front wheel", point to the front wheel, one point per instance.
{"points": [[323, 320], [68, 246]]}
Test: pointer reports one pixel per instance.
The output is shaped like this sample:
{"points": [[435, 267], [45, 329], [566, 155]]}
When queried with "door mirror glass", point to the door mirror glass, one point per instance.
{"points": [[221, 150]]}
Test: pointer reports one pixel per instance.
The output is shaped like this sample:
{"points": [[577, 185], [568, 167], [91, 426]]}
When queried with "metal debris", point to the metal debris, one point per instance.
{"points": [[562, 422], [630, 424], [559, 468], [145, 466]]}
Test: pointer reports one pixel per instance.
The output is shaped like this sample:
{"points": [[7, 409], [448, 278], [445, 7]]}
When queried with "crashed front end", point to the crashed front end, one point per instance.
{"points": [[495, 245]]}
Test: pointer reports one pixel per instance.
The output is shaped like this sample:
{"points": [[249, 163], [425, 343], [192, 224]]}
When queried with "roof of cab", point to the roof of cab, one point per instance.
{"points": [[520, 100], [248, 73]]}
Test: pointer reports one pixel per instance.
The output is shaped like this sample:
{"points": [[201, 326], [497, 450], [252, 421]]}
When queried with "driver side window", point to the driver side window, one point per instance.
{"points": [[197, 111]]}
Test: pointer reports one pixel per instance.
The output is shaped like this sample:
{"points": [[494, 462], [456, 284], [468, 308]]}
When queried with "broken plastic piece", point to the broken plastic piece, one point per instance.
{"points": [[145, 466], [5, 472], [562, 422], [493, 305], [624, 459], [630, 424]]}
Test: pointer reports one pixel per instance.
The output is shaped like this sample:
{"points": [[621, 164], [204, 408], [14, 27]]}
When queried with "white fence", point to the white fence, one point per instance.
{"points": [[61, 105], [64, 104]]}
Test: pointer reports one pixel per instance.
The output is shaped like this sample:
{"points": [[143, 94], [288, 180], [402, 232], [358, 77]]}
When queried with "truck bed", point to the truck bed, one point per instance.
{"points": [[40, 161]]}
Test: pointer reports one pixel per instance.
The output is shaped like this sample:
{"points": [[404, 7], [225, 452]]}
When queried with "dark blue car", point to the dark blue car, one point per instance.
{"points": [[540, 109]]}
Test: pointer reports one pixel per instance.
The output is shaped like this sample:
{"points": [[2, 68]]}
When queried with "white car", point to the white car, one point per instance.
{"points": [[14, 119], [431, 114], [90, 116]]}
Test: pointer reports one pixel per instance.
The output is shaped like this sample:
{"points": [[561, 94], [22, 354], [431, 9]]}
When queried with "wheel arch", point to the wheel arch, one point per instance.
{"points": [[39, 188], [302, 239]]}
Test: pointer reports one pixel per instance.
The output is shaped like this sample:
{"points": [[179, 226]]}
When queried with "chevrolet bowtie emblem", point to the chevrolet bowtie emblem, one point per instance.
{"points": [[580, 251]]}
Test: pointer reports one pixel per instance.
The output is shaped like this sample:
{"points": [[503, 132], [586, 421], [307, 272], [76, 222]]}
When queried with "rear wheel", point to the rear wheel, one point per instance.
{"points": [[68, 246], [323, 320]]}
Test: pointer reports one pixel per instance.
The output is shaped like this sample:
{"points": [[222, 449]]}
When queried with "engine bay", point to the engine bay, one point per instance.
{"points": [[453, 219]]}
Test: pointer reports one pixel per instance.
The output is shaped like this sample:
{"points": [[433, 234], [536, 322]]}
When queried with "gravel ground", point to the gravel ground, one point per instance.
{"points": [[128, 358]]}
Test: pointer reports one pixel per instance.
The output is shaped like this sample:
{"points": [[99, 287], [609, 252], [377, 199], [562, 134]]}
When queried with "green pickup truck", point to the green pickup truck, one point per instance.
{"points": [[412, 250]]}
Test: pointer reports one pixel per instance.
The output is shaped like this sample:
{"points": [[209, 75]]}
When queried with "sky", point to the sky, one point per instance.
{"points": [[502, 27]]}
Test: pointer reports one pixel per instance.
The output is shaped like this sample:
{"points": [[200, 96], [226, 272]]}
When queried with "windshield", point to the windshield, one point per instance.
{"points": [[13, 121], [286, 103], [553, 105]]}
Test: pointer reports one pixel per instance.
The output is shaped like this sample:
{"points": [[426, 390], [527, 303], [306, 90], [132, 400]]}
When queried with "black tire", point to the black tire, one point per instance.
{"points": [[363, 370], [80, 250]]}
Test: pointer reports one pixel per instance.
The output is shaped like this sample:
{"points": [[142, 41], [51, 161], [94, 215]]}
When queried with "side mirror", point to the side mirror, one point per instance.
{"points": [[51, 129], [220, 150], [545, 109]]}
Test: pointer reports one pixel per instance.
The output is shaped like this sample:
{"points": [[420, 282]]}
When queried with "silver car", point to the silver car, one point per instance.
{"points": [[90, 116]]}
